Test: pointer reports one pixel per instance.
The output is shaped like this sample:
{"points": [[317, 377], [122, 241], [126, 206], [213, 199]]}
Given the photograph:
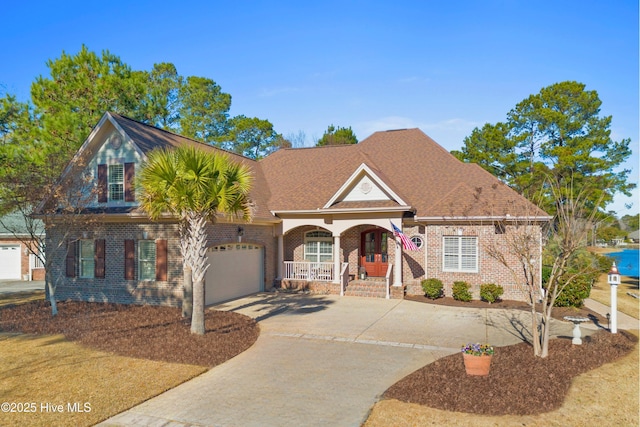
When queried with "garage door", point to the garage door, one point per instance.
{"points": [[10, 267], [235, 270]]}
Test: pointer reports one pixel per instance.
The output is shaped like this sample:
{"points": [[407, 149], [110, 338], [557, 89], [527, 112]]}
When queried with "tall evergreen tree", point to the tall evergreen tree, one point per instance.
{"points": [[251, 137], [557, 134], [337, 136]]}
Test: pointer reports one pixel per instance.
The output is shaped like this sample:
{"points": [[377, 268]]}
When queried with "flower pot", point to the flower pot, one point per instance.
{"points": [[477, 365]]}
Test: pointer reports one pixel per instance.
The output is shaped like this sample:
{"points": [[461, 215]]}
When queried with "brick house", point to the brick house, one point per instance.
{"points": [[16, 259], [324, 221]]}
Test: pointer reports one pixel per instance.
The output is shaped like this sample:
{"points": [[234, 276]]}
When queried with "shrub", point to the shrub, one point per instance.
{"points": [[576, 291], [461, 291], [604, 263], [490, 292], [432, 288]]}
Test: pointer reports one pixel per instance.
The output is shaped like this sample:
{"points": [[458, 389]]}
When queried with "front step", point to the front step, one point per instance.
{"points": [[366, 288]]}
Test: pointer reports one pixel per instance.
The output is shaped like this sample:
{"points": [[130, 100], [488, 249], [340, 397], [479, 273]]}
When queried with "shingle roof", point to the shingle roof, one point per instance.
{"points": [[148, 138], [418, 170], [413, 165], [14, 223]]}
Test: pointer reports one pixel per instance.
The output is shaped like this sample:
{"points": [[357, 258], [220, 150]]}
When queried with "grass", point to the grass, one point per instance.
{"points": [[49, 369], [607, 395], [21, 297], [627, 304]]}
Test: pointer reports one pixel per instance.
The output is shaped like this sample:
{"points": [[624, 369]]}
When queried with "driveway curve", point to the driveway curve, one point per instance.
{"points": [[323, 360]]}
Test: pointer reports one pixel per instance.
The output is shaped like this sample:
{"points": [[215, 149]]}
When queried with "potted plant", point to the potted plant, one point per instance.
{"points": [[477, 358]]}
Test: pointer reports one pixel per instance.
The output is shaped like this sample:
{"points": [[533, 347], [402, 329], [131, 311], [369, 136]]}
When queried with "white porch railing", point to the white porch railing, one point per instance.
{"points": [[388, 279], [344, 275], [35, 262], [307, 270]]}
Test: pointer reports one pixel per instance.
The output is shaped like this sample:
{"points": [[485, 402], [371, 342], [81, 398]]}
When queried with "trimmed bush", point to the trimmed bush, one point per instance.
{"points": [[432, 288], [490, 292], [461, 291], [575, 292]]}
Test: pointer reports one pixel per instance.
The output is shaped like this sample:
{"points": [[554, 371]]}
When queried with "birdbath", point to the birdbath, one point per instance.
{"points": [[577, 334]]}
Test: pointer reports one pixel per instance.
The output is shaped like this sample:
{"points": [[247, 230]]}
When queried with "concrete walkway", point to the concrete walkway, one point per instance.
{"points": [[324, 360]]}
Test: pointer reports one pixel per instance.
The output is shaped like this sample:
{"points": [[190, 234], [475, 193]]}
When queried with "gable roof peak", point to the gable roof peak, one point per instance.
{"points": [[174, 136]]}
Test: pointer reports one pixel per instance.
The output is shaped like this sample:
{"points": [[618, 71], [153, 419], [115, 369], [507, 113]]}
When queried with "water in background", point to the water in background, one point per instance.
{"points": [[627, 261]]}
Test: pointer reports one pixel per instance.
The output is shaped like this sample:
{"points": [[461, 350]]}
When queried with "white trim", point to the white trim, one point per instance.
{"points": [[422, 243], [459, 255], [363, 168], [88, 141], [343, 210], [480, 218], [140, 260], [127, 138], [81, 273], [317, 239]]}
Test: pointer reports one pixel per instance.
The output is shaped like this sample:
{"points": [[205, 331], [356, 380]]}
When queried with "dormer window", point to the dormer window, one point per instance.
{"points": [[116, 182]]}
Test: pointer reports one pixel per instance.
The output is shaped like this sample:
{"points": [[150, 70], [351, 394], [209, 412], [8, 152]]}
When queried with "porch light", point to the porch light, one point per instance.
{"points": [[614, 280]]}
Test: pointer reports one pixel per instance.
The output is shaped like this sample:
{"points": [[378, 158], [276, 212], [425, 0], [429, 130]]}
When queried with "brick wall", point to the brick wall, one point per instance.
{"points": [[114, 288], [489, 270]]}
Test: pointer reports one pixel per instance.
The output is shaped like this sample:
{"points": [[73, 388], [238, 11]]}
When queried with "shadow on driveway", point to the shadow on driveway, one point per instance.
{"points": [[263, 306]]}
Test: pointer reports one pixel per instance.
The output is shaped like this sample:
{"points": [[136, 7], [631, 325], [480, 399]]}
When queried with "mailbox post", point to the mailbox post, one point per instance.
{"points": [[614, 280]]}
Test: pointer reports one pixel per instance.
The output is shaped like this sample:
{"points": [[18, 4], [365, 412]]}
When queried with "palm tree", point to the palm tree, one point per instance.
{"points": [[195, 186]]}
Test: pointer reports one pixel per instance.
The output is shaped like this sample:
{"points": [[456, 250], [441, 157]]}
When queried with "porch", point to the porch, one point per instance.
{"points": [[320, 277]]}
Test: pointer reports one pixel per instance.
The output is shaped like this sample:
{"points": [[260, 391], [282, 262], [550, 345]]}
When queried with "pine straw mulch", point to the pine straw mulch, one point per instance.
{"points": [[147, 332], [518, 383]]}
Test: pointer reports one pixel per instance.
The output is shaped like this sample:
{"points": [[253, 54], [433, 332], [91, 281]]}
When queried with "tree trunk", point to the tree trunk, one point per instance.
{"points": [[187, 294], [187, 273], [546, 327], [197, 319], [198, 255], [51, 291], [535, 334]]}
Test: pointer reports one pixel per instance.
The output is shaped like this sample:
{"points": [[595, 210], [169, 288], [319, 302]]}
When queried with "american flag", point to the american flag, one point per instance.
{"points": [[407, 244]]}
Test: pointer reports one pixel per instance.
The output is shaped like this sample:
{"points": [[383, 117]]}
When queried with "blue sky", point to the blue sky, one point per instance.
{"points": [[445, 67]]}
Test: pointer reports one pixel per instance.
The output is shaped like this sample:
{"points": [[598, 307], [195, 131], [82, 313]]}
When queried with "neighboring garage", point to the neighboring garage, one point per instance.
{"points": [[10, 266], [235, 270]]}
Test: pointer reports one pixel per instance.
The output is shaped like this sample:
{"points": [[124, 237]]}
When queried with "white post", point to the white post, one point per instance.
{"points": [[397, 267], [614, 281], [280, 256], [614, 309], [336, 259]]}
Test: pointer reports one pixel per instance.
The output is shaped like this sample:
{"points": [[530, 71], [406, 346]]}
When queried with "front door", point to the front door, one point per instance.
{"points": [[373, 252]]}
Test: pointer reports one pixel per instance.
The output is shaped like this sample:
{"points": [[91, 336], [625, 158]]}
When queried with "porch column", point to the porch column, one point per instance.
{"points": [[280, 256], [397, 265], [336, 259]]}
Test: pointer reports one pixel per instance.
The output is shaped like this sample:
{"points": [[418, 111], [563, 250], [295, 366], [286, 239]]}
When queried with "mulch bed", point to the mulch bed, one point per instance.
{"points": [[147, 332], [556, 313], [518, 383]]}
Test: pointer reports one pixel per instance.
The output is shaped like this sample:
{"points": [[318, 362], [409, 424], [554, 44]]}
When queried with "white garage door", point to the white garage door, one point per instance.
{"points": [[10, 267], [235, 270]]}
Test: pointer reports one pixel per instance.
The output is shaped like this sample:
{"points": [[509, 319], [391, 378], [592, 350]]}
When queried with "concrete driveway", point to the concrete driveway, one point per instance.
{"points": [[13, 286], [323, 360]]}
